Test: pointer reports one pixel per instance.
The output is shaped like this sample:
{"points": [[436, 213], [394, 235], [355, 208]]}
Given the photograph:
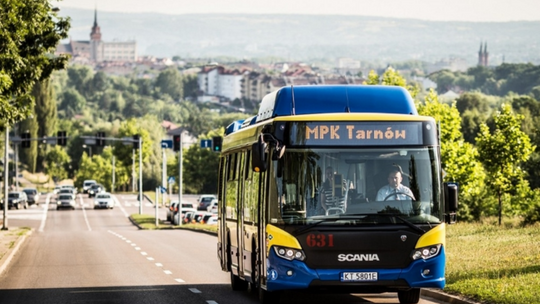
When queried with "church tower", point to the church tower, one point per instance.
{"points": [[483, 55], [95, 40]]}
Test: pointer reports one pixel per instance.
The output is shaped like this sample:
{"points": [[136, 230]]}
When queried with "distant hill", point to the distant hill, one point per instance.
{"points": [[307, 37]]}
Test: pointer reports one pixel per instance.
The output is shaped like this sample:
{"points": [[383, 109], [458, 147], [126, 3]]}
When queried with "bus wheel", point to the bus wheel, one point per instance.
{"points": [[411, 296], [267, 297], [237, 283]]}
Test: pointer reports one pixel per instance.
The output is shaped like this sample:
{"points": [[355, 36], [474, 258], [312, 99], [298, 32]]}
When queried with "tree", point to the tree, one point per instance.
{"points": [[56, 162], [169, 82], [28, 156], [29, 34], [45, 112], [502, 152], [458, 157]]}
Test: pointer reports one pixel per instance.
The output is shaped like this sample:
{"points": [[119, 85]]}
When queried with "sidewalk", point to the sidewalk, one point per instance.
{"points": [[10, 242]]}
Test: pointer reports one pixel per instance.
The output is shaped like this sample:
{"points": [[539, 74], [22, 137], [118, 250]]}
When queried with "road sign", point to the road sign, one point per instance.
{"points": [[206, 143], [167, 144], [162, 189], [171, 180]]}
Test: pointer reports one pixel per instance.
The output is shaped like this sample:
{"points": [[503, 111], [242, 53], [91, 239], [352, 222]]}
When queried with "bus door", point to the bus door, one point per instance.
{"points": [[240, 212]]}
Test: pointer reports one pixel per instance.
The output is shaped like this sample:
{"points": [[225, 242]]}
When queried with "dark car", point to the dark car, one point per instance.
{"points": [[204, 201], [17, 200], [33, 195], [95, 189]]}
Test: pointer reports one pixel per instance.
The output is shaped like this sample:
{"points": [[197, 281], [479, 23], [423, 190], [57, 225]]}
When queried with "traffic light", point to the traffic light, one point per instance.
{"points": [[176, 143], [216, 143], [136, 141], [25, 140], [61, 139], [100, 139]]}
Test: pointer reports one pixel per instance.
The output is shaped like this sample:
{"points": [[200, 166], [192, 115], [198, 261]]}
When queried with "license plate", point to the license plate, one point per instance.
{"points": [[359, 277]]}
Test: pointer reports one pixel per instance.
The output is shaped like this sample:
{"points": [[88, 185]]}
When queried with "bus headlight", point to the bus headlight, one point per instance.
{"points": [[289, 253], [426, 252]]}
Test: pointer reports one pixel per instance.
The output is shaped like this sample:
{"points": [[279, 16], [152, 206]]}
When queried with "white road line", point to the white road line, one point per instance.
{"points": [[117, 203], [167, 271], [137, 248], [44, 218], [211, 302], [128, 241], [133, 244], [179, 280], [144, 253], [84, 213], [159, 265], [194, 290]]}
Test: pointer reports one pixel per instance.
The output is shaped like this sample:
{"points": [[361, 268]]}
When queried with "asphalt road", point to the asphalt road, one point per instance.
{"points": [[98, 256]]}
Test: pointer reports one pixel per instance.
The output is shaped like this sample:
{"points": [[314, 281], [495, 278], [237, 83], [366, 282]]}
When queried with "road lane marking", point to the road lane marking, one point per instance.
{"points": [[117, 202], [137, 248], [44, 218], [211, 302], [128, 241], [117, 290], [133, 244], [179, 280], [84, 213], [194, 290], [150, 259], [144, 253], [167, 271], [159, 265]]}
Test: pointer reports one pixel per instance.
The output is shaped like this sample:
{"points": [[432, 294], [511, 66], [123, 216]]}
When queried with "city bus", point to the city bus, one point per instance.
{"points": [[280, 228]]}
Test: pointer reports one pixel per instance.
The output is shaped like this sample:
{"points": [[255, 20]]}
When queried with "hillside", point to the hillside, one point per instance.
{"points": [[306, 37]]}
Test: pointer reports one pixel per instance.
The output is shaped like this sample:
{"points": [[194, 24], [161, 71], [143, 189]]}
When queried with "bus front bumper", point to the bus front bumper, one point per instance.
{"points": [[285, 275]]}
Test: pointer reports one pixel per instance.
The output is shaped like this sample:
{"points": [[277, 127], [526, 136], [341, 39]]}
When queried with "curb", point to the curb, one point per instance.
{"points": [[12, 251], [447, 298]]}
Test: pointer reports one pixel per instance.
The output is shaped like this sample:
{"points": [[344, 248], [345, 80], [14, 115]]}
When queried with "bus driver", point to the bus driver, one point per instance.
{"points": [[395, 190]]}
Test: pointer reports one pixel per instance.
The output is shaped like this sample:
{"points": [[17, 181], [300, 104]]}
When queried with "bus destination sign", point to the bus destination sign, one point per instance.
{"points": [[356, 133]]}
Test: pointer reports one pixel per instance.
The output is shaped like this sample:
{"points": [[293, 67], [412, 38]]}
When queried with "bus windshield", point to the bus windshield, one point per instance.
{"points": [[328, 185]]}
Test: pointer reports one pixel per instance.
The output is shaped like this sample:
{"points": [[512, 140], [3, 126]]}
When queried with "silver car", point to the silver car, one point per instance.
{"points": [[103, 200], [65, 201]]}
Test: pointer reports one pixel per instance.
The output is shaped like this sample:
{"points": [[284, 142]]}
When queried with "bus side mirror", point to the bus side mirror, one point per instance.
{"points": [[258, 159], [450, 202]]}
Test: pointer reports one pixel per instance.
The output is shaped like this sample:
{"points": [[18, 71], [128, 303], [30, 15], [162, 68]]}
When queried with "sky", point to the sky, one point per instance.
{"points": [[436, 10]]}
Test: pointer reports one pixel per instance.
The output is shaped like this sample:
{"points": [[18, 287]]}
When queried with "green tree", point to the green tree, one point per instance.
{"points": [[29, 34], [503, 151], [56, 163], [46, 115], [169, 81], [72, 103], [458, 157]]}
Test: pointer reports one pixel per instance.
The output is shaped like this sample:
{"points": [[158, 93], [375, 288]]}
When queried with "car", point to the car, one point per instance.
{"points": [[87, 184], [69, 187], [17, 200], [188, 217], [33, 195], [95, 189], [170, 210], [66, 191], [56, 189], [65, 201], [204, 201], [213, 209], [213, 205], [103, 200], [213, 220], [206, 217], [186, 207]]}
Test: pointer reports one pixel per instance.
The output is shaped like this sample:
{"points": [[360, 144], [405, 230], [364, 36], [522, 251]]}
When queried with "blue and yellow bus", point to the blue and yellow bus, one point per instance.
{"points": [[301, 196]]}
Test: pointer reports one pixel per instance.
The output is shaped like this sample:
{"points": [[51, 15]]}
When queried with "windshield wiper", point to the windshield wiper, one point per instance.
{"points": [[326, 219], [406, 222]]}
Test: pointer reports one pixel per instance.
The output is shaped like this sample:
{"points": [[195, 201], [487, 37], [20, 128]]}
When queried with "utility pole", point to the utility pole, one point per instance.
{"points": [[180, 182], [6, 176], [140, 175]]}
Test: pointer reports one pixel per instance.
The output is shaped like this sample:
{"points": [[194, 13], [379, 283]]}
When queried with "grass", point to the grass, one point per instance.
{"points": [[146, 221], [496, 264]]}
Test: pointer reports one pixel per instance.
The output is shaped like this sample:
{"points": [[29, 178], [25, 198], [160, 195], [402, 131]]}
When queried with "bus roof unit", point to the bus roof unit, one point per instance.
{"points": [[300, 100]]}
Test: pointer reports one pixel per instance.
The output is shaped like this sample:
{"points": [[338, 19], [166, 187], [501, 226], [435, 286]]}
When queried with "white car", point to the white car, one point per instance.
{"points": [[212, 220], [103, 200], [212, 206]]}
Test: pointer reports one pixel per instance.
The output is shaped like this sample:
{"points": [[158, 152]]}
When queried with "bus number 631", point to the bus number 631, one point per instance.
{"points": [[320, 240]]}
